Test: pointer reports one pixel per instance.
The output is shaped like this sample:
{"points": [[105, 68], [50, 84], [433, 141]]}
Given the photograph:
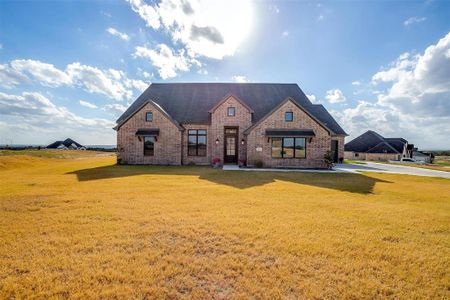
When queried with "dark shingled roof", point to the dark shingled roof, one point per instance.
{"points": [[397, 143], [372, 142], [190, 102], [67, 142], [382, 147], [364, 142]]}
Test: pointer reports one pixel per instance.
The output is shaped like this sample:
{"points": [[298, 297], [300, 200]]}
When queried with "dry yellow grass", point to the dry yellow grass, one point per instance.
{"points": [[85, 228]]}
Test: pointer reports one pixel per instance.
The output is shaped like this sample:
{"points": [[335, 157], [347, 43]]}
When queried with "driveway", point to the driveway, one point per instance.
{"points": [[389, 168]]}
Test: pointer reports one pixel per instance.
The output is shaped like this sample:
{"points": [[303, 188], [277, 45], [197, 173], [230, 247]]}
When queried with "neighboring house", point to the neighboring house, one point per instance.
{"points": [[422, 156], [183, 123], [66, 144], [372, 146]]}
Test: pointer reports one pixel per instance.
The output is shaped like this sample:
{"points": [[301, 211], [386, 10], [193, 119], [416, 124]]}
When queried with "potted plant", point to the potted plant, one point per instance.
{"points": [[216, 162], [242, 163]]}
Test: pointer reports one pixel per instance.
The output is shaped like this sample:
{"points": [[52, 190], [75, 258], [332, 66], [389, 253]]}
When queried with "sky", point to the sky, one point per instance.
{"points": [[70, 68]]}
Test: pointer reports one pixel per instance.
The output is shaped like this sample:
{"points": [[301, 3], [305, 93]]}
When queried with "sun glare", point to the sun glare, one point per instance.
{"points": [[232, 19]]}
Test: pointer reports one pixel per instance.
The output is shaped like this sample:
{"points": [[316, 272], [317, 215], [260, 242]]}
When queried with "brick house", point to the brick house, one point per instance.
{"points": [[372, 146], [185, 123]]}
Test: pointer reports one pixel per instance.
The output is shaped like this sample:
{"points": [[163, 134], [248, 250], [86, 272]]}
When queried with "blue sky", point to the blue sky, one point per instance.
{"points": [[69, 68]]}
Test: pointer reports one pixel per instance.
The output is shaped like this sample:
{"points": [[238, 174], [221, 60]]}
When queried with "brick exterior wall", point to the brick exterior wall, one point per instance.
{"points": [[220, 119], [372, 156], [168, 146], [171, 147], [315, 150]]}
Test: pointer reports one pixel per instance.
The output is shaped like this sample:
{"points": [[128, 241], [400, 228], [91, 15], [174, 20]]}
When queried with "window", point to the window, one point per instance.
{"points": [[196, 142], [149, 117], [288, 147], [289, 116], [149, 145], [231, 111]]}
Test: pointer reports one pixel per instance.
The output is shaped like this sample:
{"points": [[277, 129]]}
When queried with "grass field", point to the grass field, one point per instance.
{"points": [[83, 227]]}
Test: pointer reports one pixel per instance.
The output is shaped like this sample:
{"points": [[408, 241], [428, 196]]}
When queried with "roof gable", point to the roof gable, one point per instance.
{"points": [[288, 99], [364, 142], [230, 95], [157, 106]]}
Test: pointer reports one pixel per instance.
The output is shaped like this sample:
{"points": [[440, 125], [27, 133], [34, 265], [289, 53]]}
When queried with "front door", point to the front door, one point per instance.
{"points": [[334, 149], [230, 145]]}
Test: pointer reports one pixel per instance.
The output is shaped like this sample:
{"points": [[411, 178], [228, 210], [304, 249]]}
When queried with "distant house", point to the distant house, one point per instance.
{"points": [[272, 124], [372, 146], [66, 145], [422, 156]]}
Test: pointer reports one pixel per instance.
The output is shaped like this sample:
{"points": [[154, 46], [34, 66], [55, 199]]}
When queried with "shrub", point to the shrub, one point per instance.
{"points": [[259, 164], [216, 162], [328, 157]]}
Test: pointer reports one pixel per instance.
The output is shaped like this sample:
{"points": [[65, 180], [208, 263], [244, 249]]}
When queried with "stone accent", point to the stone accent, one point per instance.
{"points": [[315, 150], [219, 119], [168, 147]]}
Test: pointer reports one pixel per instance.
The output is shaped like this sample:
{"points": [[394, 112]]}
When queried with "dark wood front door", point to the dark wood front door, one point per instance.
{"points": [[230, 145]]}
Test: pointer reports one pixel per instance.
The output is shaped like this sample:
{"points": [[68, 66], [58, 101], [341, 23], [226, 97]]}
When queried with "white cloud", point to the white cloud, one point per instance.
{"points": [[414, 20], [285, 33], [212, 29], [356, 82], [1, 46], [45, 73], [312, 98], [117, 33], [397, 69], [115, 109], [417, 103], [335, 96], [321, 17], [33, 118], [88, 104], [166, 61], [10, 77], [240, 79], [146, 12], [136, 84], [110, 83], [94, 80], [274, 8], [147, 75]]}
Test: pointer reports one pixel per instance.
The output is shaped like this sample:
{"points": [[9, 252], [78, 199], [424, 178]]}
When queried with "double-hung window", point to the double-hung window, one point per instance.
{"points": [[148, 117], [288, 147], [196, 142]]}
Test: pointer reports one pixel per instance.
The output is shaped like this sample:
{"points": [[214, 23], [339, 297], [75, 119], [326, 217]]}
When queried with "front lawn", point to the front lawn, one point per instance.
{"points": [[87, 228]]}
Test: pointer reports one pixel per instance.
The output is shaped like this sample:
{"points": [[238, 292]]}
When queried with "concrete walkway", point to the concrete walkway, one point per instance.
{"points": [[355, 168]]}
